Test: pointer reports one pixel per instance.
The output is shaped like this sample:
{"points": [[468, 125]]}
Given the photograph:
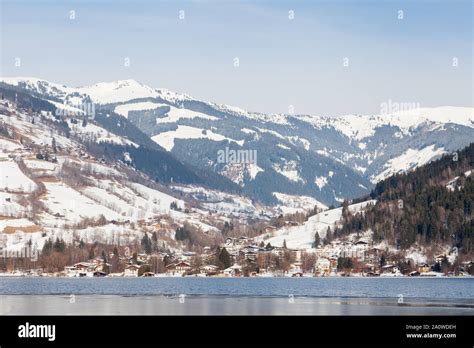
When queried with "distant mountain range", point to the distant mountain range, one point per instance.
{"points": [[327, 158]]}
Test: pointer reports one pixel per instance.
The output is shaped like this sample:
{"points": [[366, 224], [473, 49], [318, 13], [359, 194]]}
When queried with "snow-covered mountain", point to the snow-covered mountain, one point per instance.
{"points": [[52, 186], [327, 158]]}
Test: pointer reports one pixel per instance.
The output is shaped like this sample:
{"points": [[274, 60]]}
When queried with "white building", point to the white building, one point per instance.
{"points": [[322, 266]]}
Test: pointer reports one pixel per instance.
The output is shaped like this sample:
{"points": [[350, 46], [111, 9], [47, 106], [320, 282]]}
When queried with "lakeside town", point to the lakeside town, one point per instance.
{"points": [[242, 257]]}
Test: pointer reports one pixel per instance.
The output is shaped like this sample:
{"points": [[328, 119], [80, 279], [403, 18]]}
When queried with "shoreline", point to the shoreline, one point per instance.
{"points": [[6, 275]]}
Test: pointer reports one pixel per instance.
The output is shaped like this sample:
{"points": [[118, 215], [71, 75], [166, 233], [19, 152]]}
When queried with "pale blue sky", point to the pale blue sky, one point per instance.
{"points": [[282, 62]]}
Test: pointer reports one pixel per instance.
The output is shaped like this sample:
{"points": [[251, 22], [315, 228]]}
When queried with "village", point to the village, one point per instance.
{"points": [[243, 257]]}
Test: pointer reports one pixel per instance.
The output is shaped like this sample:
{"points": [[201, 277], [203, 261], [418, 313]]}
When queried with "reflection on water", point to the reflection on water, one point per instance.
{"points": [[223, 305]]}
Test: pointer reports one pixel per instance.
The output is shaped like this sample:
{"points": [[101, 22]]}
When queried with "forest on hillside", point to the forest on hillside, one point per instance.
{"points": [[432, 204]]}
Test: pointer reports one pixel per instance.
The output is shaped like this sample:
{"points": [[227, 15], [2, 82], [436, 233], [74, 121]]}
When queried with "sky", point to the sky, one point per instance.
{"points": [[314, 57]]}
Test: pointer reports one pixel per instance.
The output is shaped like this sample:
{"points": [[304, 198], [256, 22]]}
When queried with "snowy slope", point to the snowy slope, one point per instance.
{"points": [[302, 237], [410, 159], [12, 179], [290, 204]]}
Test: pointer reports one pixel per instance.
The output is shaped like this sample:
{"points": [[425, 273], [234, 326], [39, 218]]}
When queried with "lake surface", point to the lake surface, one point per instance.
{"points": [[238, 296]]}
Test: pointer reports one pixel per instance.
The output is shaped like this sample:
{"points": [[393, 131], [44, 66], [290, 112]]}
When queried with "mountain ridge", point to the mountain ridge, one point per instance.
{"points": [[329, 158]]}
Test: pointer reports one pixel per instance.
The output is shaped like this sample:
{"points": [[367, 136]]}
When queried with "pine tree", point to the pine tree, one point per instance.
{"points": [[154, 241], [91, 253], [224, 258], [146, 244], [284, 244], [317, 240], [59, 245], [47, 247], [53, 145]]}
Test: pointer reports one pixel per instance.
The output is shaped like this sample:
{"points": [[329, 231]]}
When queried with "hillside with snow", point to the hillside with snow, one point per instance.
{"points": [[326, 158], [302, 237], [52, 187]]}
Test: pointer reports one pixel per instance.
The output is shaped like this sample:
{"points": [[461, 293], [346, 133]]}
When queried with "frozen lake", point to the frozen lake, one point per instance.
{"points": [[245, 296]]}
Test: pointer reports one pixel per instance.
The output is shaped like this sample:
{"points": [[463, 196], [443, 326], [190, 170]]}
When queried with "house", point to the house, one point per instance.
{"points": [[102, 267], [178, 267], [361, 247], [368, 267], [269, 229], [131, 270], [84, 266], [233, 271], [296, 270], [243, 240], [278, 251], [322, 266], [389, 269], [423, 268], [209, 269], [71, 271]]}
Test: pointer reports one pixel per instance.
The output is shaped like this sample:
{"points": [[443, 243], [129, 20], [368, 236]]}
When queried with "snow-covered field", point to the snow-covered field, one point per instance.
{"points": [[12, 179], [7, 145], [302, 237], [99, 134], [290, 204], [73, 206]]}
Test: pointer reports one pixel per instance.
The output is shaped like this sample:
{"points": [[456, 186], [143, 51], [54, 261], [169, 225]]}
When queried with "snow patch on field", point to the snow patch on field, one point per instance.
{"points": [[291, 204], [166, 139], [9, 205], [7, 145], [99, 134], [72, 206], [124, 109], [12, 178]]}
